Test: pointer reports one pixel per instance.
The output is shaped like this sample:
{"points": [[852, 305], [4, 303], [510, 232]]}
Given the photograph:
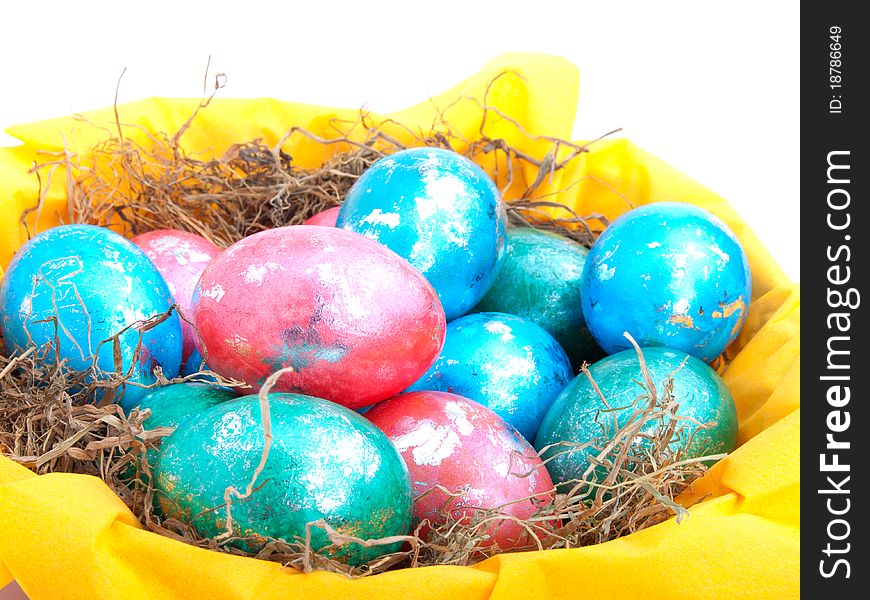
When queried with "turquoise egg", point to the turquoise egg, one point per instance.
{"points": [[540, 281], [80, 285], [576, 415], [508, 364], [672, 275], [173, 405], [326, 462], [440, 212]]}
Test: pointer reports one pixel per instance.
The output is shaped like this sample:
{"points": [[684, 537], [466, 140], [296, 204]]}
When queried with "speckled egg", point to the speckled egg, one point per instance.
{"points": [[181, 257], [438, 210], [540, 281], [325, 218], [451, 441], [172, 405], [325, 462], [670, 274], [356, 322], [83, 285], [576, 416], [504, 362]]}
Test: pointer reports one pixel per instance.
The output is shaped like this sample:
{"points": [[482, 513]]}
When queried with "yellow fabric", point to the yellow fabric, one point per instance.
{"points": [[68, 536]]}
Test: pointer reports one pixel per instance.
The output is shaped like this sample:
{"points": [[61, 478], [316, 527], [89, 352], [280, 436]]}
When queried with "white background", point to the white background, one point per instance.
{"points": [[710, 88]]}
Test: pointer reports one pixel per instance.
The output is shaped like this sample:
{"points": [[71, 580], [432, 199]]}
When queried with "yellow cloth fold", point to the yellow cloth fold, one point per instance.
{"points": [[68, 536]]}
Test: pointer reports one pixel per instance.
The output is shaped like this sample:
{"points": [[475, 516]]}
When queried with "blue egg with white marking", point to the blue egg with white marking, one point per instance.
{"points": [[672, 275], [80, 285], [507, 363], [439, 211]]}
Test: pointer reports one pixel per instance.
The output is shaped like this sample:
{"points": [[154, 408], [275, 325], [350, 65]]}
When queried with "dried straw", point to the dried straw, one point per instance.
{"points": [[253, 187]]}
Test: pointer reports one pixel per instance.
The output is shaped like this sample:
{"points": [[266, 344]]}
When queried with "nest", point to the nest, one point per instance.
{"points": [[252, 187], [49, 423]]}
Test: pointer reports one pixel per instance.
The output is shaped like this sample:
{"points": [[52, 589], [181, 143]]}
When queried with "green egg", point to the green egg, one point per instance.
{"points": [[540, 281], [172, 405], [325, 462], [701, 394]]}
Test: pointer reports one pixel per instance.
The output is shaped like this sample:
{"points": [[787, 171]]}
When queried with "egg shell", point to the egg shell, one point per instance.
{"points": [[172, 405], [92, 283], [540, 281], [325, 218], [181, 257], [576, 416], [504, 362], [194, 363], [325, 462], [356, 322], [456, 443], [672, 275], [438, 210]]}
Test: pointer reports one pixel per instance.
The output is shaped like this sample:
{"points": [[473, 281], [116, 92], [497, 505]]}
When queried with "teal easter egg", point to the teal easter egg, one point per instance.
{"points": [[325, 462], [540, 280], [173, 405], [576, 415]]}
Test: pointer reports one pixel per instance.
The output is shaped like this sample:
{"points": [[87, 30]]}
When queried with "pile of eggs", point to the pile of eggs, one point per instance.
{"points": [[432, 350]]}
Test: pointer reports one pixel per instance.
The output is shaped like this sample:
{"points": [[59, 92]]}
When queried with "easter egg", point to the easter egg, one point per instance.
{"points": [[670, 274], [81, 285], [172, 405], [194, 363], [540, 281], [453, 442], [325, 218], [506, 363], [438, 210], [181, 257], [579, 415], [325, 462], [356, 322]]}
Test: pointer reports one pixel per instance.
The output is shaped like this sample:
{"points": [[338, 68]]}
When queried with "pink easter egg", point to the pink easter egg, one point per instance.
{"points": [[357, 322], [453, 442], [180, 257], [325, 218]]}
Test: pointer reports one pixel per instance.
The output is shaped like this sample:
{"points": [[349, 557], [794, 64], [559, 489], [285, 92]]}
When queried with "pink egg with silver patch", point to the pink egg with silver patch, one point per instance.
{"points": [[451, 441], [180, 257], [355, 321], [325, 218]]}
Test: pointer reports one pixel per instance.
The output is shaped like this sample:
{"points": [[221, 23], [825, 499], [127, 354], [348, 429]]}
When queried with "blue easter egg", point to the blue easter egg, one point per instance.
{"points": [[672, 275], [506, 363], [194, 363], [82, 285], [440, 212]]}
